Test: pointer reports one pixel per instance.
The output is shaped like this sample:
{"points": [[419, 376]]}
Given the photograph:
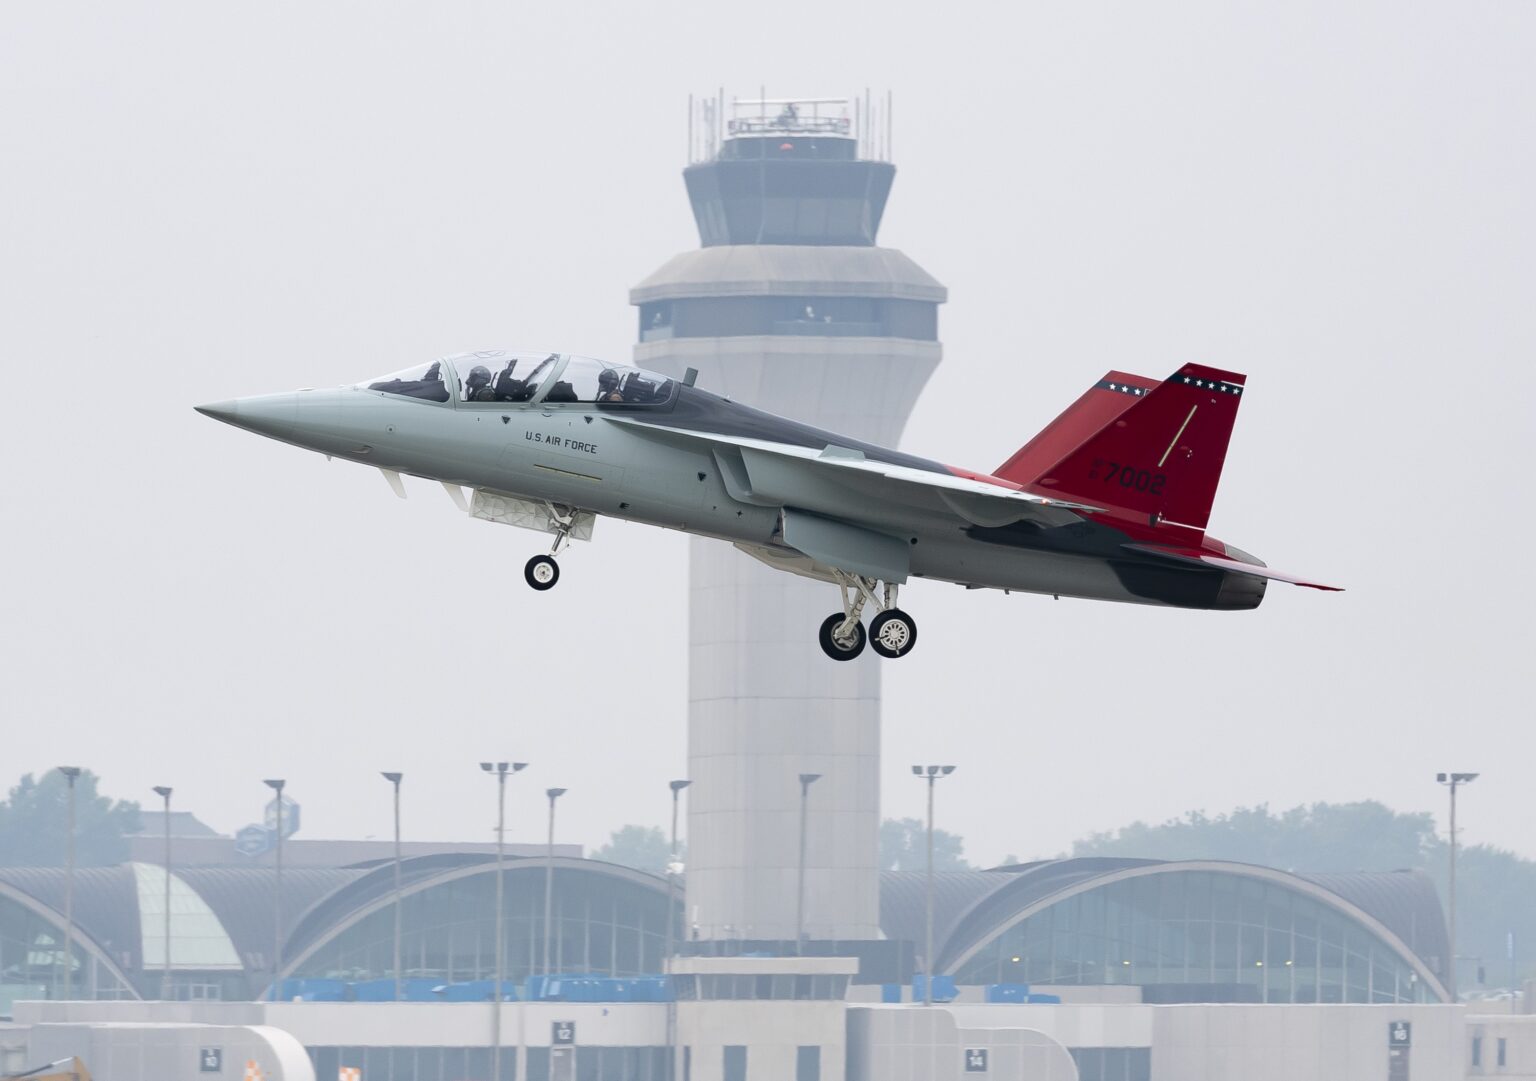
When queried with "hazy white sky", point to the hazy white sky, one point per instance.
{"points": [[199, 201]]}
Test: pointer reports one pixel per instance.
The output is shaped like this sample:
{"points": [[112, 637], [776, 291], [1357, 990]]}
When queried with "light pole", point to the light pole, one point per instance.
{"points": [[395, 779], [931, 774], [1453, 781], [277, 890], [806, 780], [501, 771], [549, 873], [71, 774], [674, 870], [164, 792]]}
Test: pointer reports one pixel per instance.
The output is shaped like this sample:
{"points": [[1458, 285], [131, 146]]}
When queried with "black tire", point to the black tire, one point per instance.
{"points": [[541, 572], [832, 648], [893, 633]]}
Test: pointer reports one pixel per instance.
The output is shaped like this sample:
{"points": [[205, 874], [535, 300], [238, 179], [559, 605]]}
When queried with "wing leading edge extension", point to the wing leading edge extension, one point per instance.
{"points": [[778, 473]]}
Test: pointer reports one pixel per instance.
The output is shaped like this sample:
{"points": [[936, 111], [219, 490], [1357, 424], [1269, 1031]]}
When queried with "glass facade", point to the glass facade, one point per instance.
{"points": [[601, 924], [1199, 936], [763, 988], [474, 1063], [423, 1063], [1112, 1063], [32, 963], [198, 938], [805, 316]]}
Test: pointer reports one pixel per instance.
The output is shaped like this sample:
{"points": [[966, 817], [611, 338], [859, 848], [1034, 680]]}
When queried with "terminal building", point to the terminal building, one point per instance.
{"points": [[1091, 969], [1103, 930]]}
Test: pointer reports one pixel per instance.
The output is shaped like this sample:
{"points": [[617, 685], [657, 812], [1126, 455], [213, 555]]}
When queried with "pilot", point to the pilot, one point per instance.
{"points": [[608, 386], [477, 385]]}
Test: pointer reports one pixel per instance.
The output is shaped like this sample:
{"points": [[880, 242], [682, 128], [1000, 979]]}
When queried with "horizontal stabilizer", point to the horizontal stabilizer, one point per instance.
{"points": [[1206, 559]]}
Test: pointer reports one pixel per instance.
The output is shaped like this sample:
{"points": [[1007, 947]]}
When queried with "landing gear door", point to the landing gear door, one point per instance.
{"points": [[527, 514], [848, 547]]}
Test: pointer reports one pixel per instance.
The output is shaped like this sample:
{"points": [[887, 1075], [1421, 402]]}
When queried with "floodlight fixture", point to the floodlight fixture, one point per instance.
{"points": [[1453, 781]]}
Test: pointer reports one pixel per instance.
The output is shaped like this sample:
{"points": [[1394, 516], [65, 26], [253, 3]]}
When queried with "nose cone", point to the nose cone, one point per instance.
{"points": [[224, 411], [267, 414]]}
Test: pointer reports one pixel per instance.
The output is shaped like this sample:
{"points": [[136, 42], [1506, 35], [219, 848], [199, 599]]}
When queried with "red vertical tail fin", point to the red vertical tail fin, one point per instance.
{"points": [[1159, 459], [1100, 404]]}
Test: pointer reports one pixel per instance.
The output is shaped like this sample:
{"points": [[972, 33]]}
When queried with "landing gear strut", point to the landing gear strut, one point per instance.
{"points": [[542, 572], [892, 632]]}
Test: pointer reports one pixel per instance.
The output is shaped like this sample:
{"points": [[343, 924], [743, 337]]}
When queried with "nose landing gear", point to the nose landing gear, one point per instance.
{"points": [[542, 572], [892, 632]]}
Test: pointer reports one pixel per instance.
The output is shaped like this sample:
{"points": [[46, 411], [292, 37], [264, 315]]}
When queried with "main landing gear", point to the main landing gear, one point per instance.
{"points": [[542, 572], [892, 633]]}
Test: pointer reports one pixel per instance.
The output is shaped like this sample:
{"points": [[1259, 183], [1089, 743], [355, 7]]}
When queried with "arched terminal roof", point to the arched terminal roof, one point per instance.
{"points": [[973, 911], [242, 899], [222, 916], [35, 897], [1406, 902], [605, 918]]}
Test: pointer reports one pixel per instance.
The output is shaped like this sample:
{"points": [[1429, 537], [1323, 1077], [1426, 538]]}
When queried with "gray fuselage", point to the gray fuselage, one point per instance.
{"points": [[606, 459]]}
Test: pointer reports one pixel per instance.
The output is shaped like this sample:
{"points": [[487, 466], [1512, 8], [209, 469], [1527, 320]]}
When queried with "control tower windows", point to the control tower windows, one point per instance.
{"points": [[816, 316]]}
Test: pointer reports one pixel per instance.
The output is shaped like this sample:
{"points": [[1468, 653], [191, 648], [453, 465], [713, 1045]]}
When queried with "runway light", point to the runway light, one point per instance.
{"points": [[1015, 960], [1258, 964], [1290, 962], [1125, 962]]}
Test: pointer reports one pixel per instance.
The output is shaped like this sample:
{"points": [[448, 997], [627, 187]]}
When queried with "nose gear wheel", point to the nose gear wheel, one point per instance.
{"points": [[541, 572]]}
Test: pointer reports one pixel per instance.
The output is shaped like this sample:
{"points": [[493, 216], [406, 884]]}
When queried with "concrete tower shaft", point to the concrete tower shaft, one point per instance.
{"points": [[811, 320]]}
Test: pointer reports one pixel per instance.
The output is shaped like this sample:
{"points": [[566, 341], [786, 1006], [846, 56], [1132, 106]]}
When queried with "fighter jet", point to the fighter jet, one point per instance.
{"points": [[1109, 502]]}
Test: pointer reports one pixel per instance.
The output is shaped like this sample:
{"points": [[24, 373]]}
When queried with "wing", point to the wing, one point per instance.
{"points": [[842, 483]]}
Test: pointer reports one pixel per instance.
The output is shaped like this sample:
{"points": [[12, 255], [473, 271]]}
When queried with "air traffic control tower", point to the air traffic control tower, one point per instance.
{"points": [[791, 306]]}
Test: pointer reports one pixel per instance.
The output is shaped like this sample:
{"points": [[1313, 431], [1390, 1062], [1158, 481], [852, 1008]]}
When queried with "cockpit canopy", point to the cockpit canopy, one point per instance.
{"points": [[425, 381], [497, 376]]}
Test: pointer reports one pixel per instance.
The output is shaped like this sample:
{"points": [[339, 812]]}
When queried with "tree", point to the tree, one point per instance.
{"points": [[904, 847], [1364, 836], [645, 848], [34, 823], [1493, 900]]}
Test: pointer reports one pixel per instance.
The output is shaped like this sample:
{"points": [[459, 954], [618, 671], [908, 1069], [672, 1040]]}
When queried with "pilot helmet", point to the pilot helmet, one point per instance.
{"points": [[478, 377], [607, 379]]}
